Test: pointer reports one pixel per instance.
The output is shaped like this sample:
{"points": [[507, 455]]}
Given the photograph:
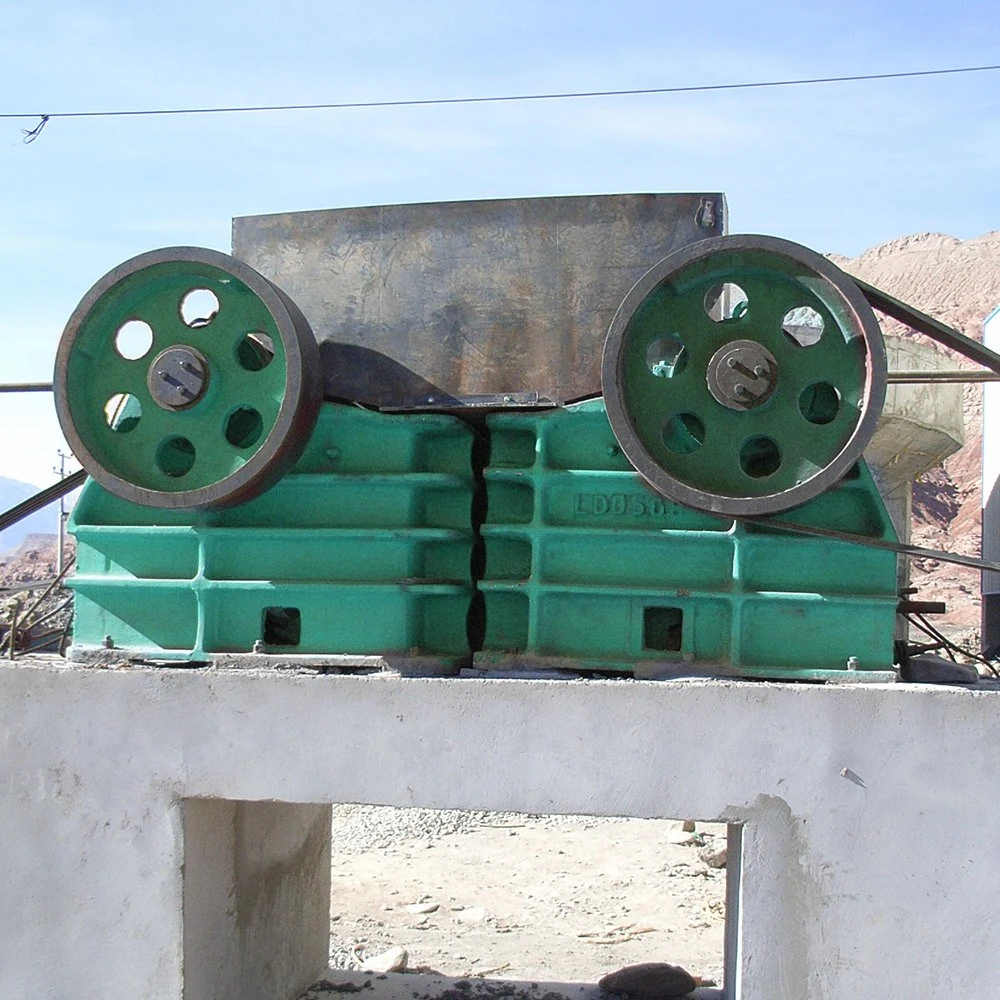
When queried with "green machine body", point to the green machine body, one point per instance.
{"points": [[237, 509]]}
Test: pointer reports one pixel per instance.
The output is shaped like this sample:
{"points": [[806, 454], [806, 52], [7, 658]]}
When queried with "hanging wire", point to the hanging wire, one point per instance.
{"points": [[30, 135], [499, 98], [942, 642]]}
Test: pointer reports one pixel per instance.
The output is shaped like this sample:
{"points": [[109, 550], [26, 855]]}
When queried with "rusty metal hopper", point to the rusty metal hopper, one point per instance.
{"points": [[461, 302]]}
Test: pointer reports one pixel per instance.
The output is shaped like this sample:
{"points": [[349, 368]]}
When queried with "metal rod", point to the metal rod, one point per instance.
{"points": [[48, 614], [957, 375], [61, 544], [47, 638], [42, 499], [901, 548], [19, 588], [26, 387], [928, 325], [52, 585], [12, 635], [59, 537]]}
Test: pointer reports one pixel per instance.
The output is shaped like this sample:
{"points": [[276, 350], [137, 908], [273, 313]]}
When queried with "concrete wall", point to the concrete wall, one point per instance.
{"points": [[870, 860], [256, 898], [921, 424]]}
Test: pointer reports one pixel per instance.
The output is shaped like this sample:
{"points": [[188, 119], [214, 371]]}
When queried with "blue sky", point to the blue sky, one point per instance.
{"points": [[838, 167]]}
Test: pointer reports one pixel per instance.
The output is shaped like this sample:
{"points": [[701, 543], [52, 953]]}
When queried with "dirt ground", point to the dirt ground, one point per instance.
{"points": [[564, 900]]}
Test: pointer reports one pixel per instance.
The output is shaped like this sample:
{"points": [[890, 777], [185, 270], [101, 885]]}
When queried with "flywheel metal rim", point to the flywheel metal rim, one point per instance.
{"points": [[863, 325], [283, 439]]}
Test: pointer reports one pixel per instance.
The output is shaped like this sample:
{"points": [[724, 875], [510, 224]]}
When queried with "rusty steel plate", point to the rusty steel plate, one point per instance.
{"points": [[459, 303]]}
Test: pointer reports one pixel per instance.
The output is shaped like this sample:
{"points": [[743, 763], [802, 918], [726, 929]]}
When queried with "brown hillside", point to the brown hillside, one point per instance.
{"points": [[958, 282]]}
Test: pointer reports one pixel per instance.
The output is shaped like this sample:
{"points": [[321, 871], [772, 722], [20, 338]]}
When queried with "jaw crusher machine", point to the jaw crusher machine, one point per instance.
{"points": [[571, 432]]}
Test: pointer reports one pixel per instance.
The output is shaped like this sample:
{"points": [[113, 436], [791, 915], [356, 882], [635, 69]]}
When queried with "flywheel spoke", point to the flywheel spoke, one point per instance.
{"points": [[744, 375], [185, 379]]}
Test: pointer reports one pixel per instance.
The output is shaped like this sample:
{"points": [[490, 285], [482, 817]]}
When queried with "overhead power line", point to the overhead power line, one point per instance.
{"points": [[497, 99]]}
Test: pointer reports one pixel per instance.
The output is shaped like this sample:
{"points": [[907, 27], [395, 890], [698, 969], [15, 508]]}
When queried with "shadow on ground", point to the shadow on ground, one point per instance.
{"points": [[430, 986]]}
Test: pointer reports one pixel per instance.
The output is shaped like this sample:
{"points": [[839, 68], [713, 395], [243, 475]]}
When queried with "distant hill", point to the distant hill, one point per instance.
{"points": [[958, 282], [42, 522]]}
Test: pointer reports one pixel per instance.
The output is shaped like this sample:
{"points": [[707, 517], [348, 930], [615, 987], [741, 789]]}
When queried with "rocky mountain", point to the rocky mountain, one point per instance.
{"points": [[957, 282], [43, 616], [43, 521], [34, 559]]}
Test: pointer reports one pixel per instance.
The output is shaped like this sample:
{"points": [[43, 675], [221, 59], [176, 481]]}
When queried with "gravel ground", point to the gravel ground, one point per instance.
{"points": [[507, 898], [363, 829], [358, 828]]}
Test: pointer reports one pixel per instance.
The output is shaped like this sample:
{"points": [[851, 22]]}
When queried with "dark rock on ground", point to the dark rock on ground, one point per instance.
{"points": [[931, 669], [649, 981]]}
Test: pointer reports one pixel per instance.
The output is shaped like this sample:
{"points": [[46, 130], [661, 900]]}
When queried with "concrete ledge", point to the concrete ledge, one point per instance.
{"points": [[868, 811]]}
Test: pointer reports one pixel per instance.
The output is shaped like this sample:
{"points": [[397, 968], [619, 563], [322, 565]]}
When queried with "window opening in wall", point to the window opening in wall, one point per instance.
{"points": [[526, 904]]}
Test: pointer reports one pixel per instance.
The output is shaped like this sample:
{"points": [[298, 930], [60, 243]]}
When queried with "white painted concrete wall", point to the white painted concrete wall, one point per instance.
{"points": [[871, 861], [256, 898]]}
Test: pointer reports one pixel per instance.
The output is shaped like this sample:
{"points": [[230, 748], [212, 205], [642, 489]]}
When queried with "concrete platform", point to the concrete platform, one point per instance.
{"points": [[165, 832]]}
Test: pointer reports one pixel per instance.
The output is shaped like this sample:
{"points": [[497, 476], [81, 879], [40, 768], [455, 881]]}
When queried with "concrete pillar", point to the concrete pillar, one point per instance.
{"points": [[256, 898], [920, 426], [990, 607]]}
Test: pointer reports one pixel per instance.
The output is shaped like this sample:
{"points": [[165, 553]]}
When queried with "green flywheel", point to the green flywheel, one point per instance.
{"points": [[186, 379], [744, 375]]}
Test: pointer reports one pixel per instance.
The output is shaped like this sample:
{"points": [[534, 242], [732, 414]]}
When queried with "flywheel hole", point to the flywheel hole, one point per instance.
{"points": [[760, 457], [134, 339], [122, 412], [244, 427], [199, 307], [684, 433], [255, 351], [666, 357], [803, 325], [819, 403], [175, 457], [726, 302]]}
